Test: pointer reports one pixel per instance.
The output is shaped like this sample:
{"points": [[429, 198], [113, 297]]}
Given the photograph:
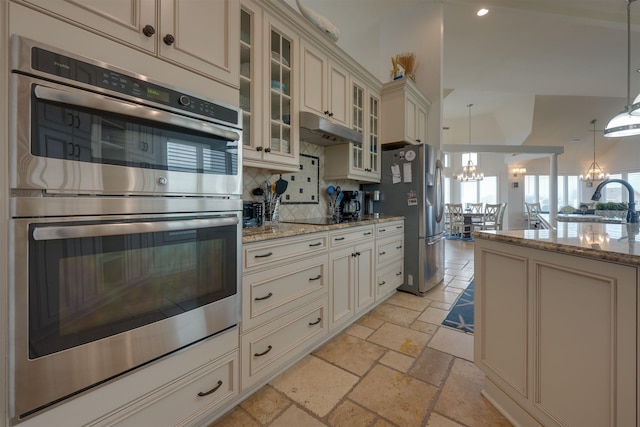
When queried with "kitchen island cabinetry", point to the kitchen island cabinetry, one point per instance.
{"points": [[405, 110], [268, 62], [556, 330], [199, 36]]}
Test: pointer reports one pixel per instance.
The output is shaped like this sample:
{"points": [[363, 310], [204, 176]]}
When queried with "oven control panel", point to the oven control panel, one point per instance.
{"points": [[60, 65]]}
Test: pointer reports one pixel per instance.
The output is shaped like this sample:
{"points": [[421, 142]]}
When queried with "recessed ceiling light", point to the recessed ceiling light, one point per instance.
{"points": [[482, 12]]}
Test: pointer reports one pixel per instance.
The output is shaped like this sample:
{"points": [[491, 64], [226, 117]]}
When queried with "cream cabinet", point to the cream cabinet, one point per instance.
{"points": [[555, 335], [405, 110], [358, 161], [199, 36], [184, 388], [285, 286], [325, 85], [389, 258], [268, 61], [351, 273]]}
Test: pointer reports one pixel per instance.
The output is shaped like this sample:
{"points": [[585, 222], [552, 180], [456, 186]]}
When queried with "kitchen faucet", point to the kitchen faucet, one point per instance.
{"points": [[632, 215]]}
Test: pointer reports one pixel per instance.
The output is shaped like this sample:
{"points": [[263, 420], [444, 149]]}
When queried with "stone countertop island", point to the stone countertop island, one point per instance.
{"points": [[556, 323]]}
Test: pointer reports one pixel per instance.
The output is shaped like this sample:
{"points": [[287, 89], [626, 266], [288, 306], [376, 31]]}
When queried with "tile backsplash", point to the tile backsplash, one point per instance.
{"points": [[255, 178]]}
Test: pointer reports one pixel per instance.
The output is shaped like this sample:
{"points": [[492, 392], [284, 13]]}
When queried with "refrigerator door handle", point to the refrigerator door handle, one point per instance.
{"points": [[433, 242]]}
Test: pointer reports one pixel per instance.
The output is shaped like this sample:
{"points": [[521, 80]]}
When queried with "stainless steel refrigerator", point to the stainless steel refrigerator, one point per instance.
{"points": [[412, 185]]}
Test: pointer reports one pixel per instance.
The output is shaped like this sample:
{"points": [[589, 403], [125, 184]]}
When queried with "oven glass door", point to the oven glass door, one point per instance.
{"points": [[91, 280], [85, 127]]}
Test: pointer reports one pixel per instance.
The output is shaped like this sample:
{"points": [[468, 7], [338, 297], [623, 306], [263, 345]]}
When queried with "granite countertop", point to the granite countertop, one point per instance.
{"points": [[608, 242], [284, 229], [587, 218]]}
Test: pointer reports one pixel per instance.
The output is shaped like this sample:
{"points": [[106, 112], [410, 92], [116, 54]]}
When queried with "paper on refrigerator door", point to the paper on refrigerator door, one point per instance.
{"points": [[395, 174], [407, 172]]}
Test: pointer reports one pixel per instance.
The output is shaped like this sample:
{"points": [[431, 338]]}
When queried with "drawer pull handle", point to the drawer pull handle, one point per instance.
{"points": [[383, 253], [212, 390], [316, 278], [383, 283], [382, 230], [315, 244], [316, 322], [398, 227], [368, 233], [264, 256], [264, 352], [399, 247], [269, 295], [339, 238], [399, 273]]}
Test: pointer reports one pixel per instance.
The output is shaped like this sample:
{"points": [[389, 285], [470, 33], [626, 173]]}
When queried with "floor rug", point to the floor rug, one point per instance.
{"points": [[461, 315]]}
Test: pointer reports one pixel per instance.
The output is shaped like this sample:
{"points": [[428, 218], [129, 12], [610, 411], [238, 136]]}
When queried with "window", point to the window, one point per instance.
{"points": [[446, 160], [485, 191], [467, 156]]}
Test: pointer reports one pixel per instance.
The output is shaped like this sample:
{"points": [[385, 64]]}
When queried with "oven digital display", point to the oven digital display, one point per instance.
{"points": [[153, 93]]}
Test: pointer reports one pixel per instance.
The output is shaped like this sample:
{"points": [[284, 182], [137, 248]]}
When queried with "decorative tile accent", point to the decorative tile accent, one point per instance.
{"points": [[304, 187]]}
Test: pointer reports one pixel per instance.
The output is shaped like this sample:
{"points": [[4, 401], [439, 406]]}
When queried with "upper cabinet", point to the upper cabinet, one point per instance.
{"points": [[267, 91], [325, 85], [405, 110], [358, 161], [199, 36]]}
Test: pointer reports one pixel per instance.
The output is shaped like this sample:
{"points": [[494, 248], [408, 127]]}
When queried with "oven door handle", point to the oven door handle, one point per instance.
{"points": [[103, 103], [96, 230]]}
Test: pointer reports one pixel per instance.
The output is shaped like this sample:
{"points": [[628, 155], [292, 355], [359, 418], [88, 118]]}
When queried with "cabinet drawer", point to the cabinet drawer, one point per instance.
{"points": [[279, 251], [185, 400], [271, 293], [389, 278], [270, 347], [389, 249], [388, 228], [350, 235]]}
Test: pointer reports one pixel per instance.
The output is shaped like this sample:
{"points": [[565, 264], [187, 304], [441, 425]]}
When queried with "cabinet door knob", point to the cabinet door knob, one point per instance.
{"points": [[148, 30], [326, 112], [417, 140], [267, 150], [168, 39], [259, 148]]}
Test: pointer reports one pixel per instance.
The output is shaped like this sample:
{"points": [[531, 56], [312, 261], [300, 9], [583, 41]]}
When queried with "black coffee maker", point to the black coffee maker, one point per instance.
{"points": [[351, 205]]}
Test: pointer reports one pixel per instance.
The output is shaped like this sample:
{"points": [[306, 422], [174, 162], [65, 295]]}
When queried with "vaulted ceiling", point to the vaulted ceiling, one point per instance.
{"points": [[537, 71]]}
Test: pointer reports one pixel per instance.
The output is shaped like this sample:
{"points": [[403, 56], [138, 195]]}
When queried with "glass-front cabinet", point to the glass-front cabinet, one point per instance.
{"points": [[358, 161], [267, 52]]}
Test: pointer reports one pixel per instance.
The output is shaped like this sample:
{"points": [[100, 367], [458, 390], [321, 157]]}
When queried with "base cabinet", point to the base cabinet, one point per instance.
{"points": [[556, 336], [181, 389]]}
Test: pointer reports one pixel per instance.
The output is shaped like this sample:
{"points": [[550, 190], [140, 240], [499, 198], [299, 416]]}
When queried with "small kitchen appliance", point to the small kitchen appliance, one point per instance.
{"points": [[350, 207]]}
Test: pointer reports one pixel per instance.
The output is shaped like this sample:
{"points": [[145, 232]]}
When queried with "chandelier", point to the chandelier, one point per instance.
{"points": [[595, 172], [469, 172], [626, 123]]}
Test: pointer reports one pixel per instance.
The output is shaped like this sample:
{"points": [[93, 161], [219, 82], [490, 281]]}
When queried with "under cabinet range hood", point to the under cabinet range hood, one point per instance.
{"points": [[319, 130]]}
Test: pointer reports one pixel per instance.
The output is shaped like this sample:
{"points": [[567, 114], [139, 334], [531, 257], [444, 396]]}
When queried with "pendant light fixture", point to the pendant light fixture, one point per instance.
{"points": [[595, 172], [469, 172], [627, 123]]}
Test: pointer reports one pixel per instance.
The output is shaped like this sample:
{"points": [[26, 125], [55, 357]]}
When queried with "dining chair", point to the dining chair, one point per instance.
{"points": [[476, 207], [533, 210], [490, 217], [456, 220], [503, 207]]}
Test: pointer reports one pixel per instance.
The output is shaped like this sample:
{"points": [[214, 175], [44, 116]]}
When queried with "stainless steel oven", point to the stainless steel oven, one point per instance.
{"points": [[125, 225], [85, 127]]}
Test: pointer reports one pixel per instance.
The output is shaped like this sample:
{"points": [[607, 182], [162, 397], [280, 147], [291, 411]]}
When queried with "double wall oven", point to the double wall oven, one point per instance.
{"points": [[125, 222]]}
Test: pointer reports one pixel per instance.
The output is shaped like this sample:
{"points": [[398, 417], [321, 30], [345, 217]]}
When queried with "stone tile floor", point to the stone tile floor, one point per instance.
{"points": [[396, 366]]}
